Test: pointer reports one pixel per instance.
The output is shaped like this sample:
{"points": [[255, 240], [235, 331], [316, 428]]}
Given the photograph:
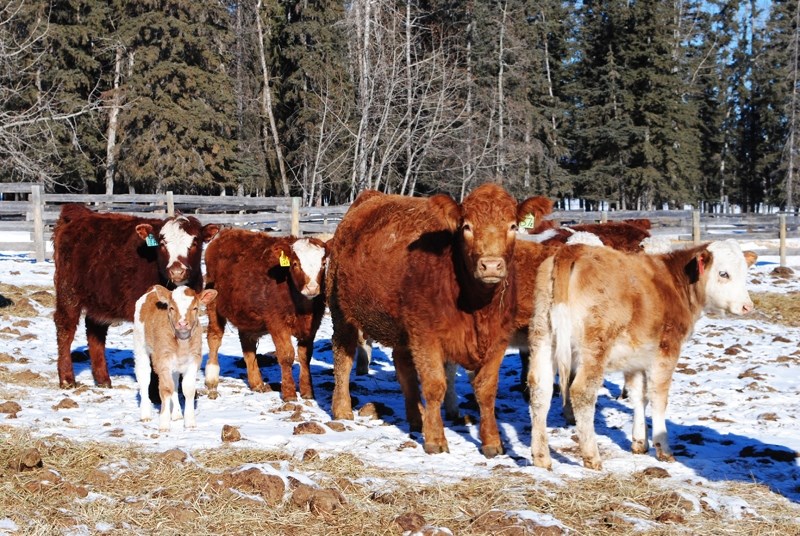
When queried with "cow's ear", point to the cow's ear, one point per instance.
{"points": [[207, 296], [281, 252], [144, 230], [447, 210], [536, 206], [698, 265], [750, 258], [210, 231], [162, 293]]}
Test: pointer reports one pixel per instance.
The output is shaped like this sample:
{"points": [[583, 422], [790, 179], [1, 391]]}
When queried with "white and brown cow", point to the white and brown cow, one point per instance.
{"points": [[167, 333], [266, 284], [598, 310]]}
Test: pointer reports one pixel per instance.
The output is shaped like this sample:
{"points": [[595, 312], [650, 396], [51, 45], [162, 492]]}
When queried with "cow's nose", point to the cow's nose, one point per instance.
{"points": [[747, 307], [177, 274], [491, 268], [311, 290]]}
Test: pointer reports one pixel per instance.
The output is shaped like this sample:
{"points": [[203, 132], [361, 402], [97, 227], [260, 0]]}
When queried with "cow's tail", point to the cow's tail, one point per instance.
{"points": [[560, 320]]}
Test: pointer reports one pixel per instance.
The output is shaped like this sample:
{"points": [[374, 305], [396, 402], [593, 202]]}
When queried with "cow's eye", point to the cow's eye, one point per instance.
{"points": [[513, 228], [467, 228], [724, 275]]}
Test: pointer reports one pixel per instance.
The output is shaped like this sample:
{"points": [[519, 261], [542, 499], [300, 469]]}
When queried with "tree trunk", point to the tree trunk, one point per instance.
{"points": [[113, 122], [501, 157], [266, 103]]}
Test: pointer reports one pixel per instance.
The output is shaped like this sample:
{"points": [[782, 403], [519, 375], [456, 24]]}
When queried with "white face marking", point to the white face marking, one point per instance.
{"points": [[183, 298], [176, 240], [310, 256], [727, 277]]}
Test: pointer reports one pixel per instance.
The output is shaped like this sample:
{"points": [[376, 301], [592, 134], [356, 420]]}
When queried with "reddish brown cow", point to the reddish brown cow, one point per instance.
{"points": [[266, 284], [434, 280], [105, 262]]}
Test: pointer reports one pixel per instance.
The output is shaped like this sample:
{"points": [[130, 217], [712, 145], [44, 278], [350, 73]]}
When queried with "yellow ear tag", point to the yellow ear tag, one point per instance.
{"points": [[284, 260], [528, 222]]}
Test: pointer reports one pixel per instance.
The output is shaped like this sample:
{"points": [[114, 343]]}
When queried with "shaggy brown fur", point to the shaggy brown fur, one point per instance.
{"points": [[434, 280]]}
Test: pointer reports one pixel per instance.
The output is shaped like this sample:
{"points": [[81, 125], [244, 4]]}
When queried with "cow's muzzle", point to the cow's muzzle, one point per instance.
{"points": [[491, 270]]}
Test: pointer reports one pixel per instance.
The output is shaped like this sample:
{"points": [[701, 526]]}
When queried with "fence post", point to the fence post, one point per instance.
{"points": [[295, 231], [170, 204], [38, 222], [782, 237], [696, 226], [604, 217]]}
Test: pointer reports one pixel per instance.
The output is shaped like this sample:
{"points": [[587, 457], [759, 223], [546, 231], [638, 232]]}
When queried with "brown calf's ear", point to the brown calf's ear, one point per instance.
{"points": [[207, 296], [698, 265], [144, 230], [537, 206], [750, 258], [447, 210], [210, 231], [281, 252], [162, 293]]}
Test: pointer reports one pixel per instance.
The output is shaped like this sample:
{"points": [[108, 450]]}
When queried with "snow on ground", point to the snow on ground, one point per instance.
{"points": [[734, 412]]}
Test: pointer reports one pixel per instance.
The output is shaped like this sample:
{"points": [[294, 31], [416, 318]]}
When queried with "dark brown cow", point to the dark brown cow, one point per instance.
{"points": [[103, 264], [266, 284], [618, 235], [435, 281]]}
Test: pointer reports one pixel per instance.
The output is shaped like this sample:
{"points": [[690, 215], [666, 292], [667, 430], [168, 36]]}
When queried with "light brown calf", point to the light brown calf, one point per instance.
{"points": [[167, 333]]}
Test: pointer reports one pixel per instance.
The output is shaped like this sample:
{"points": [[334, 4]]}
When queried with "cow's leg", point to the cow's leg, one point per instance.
{"points": [[658, 384], [566, 402], [249, 343], [363, 354], [215, 331], [175, 403], [305, 349], [485, 386], [166, 386], [524, 367], [635, 385], [66, 318], [583, 393], [540, 385], [451, 412], [409, 383], [96, 337], [142, 369], [429, 365], [344, 340], [285, 353], [188, 387]]}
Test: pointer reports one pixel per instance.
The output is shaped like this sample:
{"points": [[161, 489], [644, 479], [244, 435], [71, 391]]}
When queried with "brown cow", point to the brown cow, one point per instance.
{"points": [[435, 281], [598, 309], [266, 284], [167, 333], [105, 262]]}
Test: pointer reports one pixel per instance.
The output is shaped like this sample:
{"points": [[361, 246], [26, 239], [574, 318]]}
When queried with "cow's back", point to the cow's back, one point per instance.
{"points": [[101, 264], [381, 252], [241, 268]]}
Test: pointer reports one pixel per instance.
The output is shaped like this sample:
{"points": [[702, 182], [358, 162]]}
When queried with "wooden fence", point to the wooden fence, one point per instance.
{"points": [[35, 215]]}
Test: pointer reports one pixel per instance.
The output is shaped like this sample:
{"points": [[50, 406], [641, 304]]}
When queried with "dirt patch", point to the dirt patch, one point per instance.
{"points": [[781, 308]]}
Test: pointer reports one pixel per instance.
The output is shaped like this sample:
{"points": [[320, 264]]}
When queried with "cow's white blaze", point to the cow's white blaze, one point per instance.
{"points": [[176, 240], [310, 256], [183, 298], [726, 285]]}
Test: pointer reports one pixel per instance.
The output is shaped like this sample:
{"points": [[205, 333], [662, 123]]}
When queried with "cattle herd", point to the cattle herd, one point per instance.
{"points": [[442, 283]]}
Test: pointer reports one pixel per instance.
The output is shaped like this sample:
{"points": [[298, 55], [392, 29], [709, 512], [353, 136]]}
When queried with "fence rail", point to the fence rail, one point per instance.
{"points": [[36, 215]]}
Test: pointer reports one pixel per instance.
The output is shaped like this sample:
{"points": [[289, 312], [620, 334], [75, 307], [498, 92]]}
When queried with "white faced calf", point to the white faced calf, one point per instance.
{"points": [[598, 310], [167, 332]]}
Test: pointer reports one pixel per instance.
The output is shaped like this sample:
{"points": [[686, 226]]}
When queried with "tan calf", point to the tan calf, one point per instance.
{"points": [[599, 310], [167, 333]]}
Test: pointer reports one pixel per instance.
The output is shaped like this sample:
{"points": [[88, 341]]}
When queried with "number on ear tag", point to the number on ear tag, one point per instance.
{"points": [[151, 240], [528, 222], [284, 260]]}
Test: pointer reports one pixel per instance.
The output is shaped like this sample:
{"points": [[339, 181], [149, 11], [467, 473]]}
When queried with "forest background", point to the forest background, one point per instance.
{"points": [[624, 104]]}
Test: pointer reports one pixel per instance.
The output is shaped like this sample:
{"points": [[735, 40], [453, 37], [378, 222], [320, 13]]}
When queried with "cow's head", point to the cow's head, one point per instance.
{"points": [[486, 227], [724, 266], [183, 308], [180, 246], [305, 260]]}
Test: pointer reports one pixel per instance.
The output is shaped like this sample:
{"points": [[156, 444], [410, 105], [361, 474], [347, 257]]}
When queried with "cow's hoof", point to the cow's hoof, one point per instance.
{"points": [[289, 396], [307, 396], [597, 465], [341, 415], [639, 447], [67, 384], [213, 394], [490, 451], [665, 457], [545, 462], [435, 449], [262, 388], [104, 385]]}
